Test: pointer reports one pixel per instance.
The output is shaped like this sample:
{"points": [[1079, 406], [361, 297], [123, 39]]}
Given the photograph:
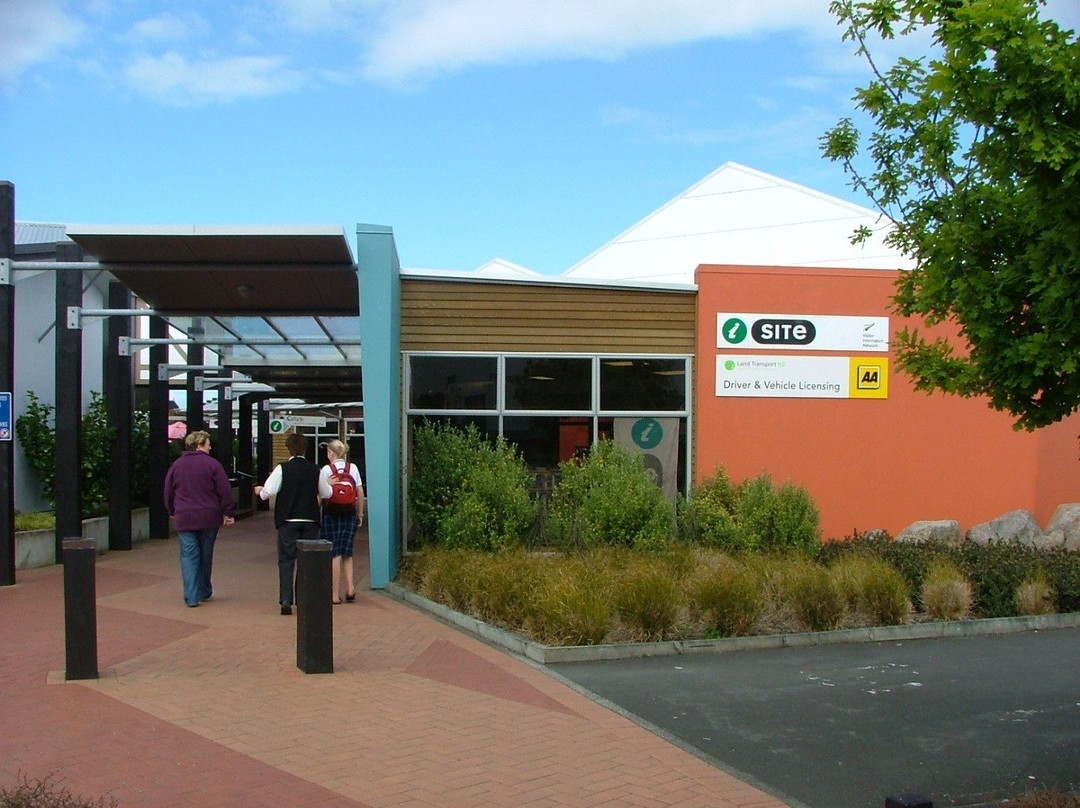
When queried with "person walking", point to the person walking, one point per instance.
{"points": [[296, 490], [199, 498], [342, 514]]}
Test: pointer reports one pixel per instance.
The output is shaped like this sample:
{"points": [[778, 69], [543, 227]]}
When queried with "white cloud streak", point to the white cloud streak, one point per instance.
{"points": [[33, 32], [423, 38], [174, 79]]}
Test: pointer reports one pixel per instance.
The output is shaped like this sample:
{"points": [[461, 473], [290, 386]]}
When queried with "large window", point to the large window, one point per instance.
{"points": [[552, 407], [548, 383], [453, 382], [653, 385]]}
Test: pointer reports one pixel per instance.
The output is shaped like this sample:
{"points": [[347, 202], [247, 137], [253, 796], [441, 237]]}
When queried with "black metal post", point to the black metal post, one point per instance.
{"points": [[222, 443], [80, 609], [196, 420], [245, 471], [314, 610], [119, 398], [68, 414], [7, 384], [159, 431], [265, 452]]}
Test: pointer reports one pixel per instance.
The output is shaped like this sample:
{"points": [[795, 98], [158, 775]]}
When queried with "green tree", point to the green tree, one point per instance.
{"points": [[37, 436], [974, 156]]}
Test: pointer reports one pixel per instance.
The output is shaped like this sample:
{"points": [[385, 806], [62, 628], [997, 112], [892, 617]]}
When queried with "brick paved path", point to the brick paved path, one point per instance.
{"points": [[206, 707]]}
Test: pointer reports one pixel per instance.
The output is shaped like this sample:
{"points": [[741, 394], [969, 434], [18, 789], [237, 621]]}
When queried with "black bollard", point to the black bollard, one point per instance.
{"points": [[80, 608], [314, 611]]}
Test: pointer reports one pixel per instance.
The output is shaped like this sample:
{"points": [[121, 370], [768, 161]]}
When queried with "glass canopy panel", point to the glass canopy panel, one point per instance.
{"points": [[628, 385], [342, 327]]}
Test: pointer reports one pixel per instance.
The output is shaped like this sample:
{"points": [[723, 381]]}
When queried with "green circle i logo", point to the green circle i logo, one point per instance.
{"points": [[735, 330], [647, 433]]}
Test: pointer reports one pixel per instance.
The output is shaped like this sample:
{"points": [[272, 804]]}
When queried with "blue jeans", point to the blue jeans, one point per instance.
{"points": [[196, 563]]}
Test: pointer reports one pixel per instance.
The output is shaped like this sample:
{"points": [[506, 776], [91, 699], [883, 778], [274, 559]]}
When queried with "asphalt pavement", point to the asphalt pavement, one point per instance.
{"points": [[961, 721]]}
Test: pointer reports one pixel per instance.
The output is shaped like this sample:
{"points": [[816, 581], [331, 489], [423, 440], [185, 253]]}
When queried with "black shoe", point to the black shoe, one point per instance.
{"points": [[286, 609]]}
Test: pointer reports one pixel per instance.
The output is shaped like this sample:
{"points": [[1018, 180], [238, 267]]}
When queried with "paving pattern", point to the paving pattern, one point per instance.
{"points": [[206, 706]]}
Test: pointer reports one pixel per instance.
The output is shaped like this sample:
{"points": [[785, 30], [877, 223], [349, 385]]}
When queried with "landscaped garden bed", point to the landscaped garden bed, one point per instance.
{"points": [[608, 560]]}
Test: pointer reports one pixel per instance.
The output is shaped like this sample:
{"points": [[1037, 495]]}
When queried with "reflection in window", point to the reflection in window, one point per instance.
{"points": [[546, 383], [657, 385], [453, 382]]}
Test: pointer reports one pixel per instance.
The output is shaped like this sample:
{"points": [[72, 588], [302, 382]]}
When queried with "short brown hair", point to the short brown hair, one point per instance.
{"points": [[296, 444]]}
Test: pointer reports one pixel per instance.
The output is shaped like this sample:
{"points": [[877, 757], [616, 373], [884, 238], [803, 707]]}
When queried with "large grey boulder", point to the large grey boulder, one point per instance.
{"points": [[946, 531], [1014, 527], [1064, 527]]}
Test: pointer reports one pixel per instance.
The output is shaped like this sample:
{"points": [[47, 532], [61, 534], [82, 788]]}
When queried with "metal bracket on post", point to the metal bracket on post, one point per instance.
{"points": [[5, 270], [73, 319], [124, 346]]}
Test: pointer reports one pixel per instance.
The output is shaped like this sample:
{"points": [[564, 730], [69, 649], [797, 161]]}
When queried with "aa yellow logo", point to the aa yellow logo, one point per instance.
{"points": [[869, 377]]}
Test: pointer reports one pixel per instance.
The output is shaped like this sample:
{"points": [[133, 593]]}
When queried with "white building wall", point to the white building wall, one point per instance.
{"points": [[35, 362]]}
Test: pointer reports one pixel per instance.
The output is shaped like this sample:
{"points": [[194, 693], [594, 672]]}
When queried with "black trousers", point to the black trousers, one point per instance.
{"points": [[287, 536]]}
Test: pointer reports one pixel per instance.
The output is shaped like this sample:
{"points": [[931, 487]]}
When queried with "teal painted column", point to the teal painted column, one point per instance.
{"points": [[380, 338]]}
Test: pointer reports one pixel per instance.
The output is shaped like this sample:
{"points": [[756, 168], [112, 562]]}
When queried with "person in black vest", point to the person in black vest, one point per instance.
{"points": [[297, 491]]}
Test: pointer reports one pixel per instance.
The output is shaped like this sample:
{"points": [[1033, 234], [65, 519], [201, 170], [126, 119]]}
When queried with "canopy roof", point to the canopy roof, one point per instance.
{"points": [[278, 304]]}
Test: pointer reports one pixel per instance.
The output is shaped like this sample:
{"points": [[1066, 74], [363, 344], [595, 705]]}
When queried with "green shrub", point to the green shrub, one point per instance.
{"points": [[796, 519], [37, 437], [1062, 569], [648, 600], [946, 593], [466, 492], [571, 606], [813, 595], [995, 571], [871, 586], [753, 515], [608, 499], [730, 596], [28, 793], [709, 520]]}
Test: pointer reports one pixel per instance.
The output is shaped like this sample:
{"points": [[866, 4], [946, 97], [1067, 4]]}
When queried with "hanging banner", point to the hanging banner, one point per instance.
{"points": [[657, 439], [801, 332], [756, 376]]}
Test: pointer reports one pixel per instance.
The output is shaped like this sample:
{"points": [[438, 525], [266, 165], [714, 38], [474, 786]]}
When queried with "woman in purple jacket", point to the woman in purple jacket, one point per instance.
{"points": [[199, 498]]}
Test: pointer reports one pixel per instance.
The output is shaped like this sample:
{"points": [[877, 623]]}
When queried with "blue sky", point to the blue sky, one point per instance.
{"points": [[529, 130]]}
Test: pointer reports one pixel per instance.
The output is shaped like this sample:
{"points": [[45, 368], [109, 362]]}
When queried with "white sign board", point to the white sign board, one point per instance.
{"points": [[757, 376], [307, 420], [801, 332]]}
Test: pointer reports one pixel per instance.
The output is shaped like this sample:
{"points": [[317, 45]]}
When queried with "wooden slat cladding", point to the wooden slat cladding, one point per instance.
{"points": [[468, 316]]}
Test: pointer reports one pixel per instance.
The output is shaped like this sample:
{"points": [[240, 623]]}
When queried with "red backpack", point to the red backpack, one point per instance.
{"points": [[343, 495]]}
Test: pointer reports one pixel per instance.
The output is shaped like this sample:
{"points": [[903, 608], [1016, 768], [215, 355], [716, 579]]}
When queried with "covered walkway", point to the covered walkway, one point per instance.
{"points": [[206, 706]]}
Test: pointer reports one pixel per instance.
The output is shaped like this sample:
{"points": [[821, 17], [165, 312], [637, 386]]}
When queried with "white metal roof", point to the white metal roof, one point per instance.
{"points": [[738, 215]]}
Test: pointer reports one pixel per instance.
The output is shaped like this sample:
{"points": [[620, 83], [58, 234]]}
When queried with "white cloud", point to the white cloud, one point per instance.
{"points": [[174, 79], [425, 37], [32, 32], [169, 27], [324, 15]]}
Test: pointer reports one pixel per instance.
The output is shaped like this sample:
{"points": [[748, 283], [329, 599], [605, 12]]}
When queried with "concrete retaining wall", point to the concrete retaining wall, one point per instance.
{"points": [[37, 548]]}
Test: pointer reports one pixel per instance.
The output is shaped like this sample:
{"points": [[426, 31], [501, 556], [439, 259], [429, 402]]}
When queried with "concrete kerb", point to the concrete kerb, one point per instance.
{"points": [[551, 655]]}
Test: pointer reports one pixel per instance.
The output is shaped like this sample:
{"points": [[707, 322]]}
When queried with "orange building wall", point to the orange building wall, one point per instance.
{"points": [[869, 463]]}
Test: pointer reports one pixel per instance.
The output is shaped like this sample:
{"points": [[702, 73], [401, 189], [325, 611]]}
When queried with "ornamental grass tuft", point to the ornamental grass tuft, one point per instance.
{"points": [[946, 593]]}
